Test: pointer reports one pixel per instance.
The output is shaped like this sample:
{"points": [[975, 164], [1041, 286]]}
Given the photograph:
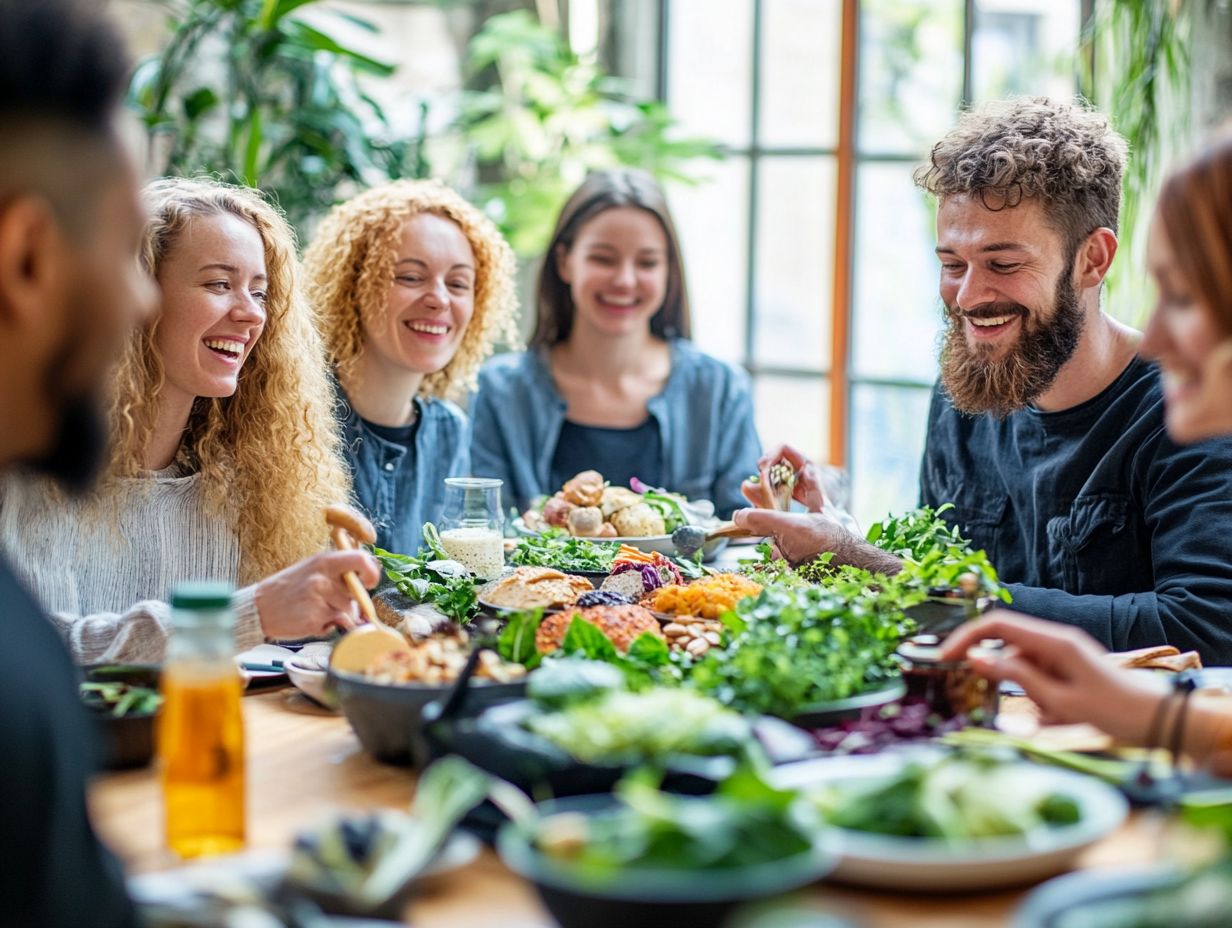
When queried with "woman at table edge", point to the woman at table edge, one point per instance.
{"points": [[1062, 668], [611, 381], [219, 393]]}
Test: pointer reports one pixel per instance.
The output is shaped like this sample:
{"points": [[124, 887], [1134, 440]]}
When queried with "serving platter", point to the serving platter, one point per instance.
{"points": [[648, 543], [936, 865], [1093, 898]]}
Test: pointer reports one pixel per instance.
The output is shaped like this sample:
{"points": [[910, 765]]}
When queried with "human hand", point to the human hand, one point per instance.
{"points": [[310, 598], [807, 490], [800, 537], [1064, 671]]}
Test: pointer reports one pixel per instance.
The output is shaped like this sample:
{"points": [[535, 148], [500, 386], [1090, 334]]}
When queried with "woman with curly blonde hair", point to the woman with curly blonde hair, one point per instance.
{"points": [[413, 286], [224, 450]]}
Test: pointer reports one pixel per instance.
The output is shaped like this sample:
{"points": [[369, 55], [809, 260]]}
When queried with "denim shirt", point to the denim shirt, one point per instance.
{"points": [[1093, 516], [704, 415], [401, 487]]}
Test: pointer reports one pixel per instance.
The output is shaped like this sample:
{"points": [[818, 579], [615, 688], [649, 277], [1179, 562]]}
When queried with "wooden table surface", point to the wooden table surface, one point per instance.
{"points": [[304, 763]]}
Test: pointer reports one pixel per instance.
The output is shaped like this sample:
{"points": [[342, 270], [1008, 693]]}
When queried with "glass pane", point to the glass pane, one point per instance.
{"points": [[710, 61], [712, 221], [896, 315], [1024, 47], [800, 73], [795, 262], [887, 442], [793, 411], [910, 73]]}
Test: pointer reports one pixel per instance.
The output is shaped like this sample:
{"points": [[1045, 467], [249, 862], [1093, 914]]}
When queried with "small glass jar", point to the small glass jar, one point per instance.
{"points": [[201, 728], [472, 525], [950, 688]]}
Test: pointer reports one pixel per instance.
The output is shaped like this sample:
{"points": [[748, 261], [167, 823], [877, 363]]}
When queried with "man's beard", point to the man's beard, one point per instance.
{"points": [[977, 383], [79, 446]]}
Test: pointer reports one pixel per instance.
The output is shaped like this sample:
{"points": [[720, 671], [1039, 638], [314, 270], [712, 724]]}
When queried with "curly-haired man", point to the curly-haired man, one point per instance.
{"points": [[1046, 428]]}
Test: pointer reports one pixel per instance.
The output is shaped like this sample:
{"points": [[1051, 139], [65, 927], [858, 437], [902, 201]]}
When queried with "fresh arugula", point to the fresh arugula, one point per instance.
{"points": [[562, 551], [431, 578], [794, 646], [934, 552]]}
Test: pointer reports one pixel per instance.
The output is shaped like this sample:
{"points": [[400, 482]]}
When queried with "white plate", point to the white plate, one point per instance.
{"points": [[661, 543], [261, 871], [929, 864]]}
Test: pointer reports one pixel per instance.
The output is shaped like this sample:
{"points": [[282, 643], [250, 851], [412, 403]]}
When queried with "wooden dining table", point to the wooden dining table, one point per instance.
{"points": [[304, 763]]}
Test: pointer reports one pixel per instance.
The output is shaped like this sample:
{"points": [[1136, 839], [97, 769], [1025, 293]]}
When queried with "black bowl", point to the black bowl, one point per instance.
{"points": [[831, 712], [126, 741], [497, 741], [646, 897], [388, 718]]}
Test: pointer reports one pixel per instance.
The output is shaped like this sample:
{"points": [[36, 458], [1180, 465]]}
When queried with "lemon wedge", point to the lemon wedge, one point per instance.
{"points": [[358, 648]]}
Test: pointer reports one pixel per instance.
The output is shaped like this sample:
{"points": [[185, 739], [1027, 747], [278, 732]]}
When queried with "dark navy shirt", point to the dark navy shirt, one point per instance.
{"points": [[618, 454], [1093, 516], [56, 873]]}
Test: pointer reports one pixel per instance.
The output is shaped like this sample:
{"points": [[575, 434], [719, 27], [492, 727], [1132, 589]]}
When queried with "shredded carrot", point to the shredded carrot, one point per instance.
{"points": [[636, 556]]}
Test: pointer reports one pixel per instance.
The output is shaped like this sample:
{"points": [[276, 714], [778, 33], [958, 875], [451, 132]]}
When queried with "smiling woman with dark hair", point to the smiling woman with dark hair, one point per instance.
{"points": [[611, 382]]}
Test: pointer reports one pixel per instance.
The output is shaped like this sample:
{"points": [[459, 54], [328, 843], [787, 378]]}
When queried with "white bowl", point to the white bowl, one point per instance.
{"points": [[930, 864]]}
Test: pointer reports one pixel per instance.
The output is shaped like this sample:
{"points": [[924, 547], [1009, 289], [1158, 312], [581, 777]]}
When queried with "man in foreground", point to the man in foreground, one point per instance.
{"points": [[70, 287], [1046, 430]]}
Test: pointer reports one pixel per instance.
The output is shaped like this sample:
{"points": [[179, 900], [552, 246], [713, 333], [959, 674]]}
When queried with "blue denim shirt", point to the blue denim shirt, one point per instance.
{"points": [[1093, 517], [704, 415], [401, 487]]}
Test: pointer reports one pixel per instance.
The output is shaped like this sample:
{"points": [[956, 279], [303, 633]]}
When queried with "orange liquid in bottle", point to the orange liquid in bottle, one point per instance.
{"points": [[201, 748]]}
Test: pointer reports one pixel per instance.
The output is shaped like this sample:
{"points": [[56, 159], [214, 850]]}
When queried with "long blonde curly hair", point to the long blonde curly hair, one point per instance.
{"points": [[349, 269], [269, 455]]}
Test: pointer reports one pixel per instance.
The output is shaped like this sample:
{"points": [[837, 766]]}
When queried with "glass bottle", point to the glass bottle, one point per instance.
{"points": [[471, 524], [201, 729]]}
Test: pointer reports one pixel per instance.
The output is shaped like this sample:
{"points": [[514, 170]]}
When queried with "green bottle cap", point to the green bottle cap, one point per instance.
{"points": [[202, 595]]}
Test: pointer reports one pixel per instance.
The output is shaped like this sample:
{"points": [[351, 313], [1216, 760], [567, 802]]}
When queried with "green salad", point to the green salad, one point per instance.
{"points": [[562, 551], [795, 646], [955, 798], [746, 822], [621, 727], [119, 699]]}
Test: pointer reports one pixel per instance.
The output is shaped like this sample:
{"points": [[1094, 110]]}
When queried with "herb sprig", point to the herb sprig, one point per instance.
{"points": [[431, 578], [934, 551]]}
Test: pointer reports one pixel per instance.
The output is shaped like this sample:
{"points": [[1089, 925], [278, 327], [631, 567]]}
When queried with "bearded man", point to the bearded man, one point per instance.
{"points": [[1046, 429]]}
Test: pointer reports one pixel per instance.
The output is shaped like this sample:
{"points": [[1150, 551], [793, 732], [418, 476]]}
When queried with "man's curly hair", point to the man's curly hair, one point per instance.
{"points": [[349, 268], [1066, 154]]}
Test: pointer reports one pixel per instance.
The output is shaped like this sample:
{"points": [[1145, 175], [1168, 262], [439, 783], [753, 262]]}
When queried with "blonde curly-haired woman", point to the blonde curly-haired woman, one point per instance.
{"points": [[414, 286], [225, 448]]}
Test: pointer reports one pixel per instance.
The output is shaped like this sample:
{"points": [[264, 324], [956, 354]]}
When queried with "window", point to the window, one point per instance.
{"points": [[809, 252]]}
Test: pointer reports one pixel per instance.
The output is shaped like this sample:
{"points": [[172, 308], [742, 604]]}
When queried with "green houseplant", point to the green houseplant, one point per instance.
{"points": [[252, 91]]}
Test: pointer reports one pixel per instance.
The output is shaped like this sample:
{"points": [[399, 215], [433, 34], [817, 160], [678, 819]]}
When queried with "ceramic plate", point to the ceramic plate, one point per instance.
{"points": [[260, 870], [890, 862], [661, 543], [1091, 898]]}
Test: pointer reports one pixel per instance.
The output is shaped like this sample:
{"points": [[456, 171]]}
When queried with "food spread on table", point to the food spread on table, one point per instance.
{"points": [[535, 588], [665, 660], [586, 506]]}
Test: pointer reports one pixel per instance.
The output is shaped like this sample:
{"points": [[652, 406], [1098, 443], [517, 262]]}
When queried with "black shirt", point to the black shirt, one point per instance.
{"points": [[1093, 516], [618, 454], [55, 871]]}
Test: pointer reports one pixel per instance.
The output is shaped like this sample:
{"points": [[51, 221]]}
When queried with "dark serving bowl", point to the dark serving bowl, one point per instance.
{"points": [[126, 741], [388, 718], [495, 740], [831, 712], [649, 897]]}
